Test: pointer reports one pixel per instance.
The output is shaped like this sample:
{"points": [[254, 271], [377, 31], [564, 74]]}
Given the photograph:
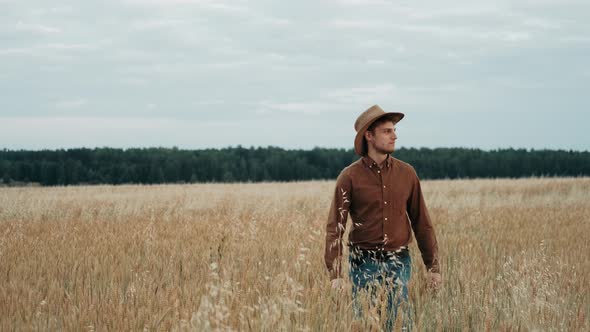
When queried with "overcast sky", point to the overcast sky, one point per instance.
{"points": [[295, 74]]}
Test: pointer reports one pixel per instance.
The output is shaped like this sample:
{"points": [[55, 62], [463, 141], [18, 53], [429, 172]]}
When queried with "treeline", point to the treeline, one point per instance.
{"points": [[173, 165]]}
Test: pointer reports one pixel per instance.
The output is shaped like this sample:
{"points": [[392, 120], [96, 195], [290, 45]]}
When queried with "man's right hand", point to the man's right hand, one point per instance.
{"points": [[338, 284]]}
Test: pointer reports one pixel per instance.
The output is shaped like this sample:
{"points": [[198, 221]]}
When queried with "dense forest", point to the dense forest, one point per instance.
{"points": [[233, 164]]}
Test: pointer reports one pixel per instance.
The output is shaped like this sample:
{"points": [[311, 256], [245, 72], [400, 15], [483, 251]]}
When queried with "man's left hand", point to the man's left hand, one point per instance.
{"points": [[434, 280]]}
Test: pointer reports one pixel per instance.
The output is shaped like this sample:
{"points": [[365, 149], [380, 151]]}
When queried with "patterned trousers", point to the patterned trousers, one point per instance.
{"points": [[381, 283]]}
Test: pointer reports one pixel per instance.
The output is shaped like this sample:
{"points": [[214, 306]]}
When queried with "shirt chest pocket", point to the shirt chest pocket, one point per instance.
{"points": [[367, 196], [399, 197]]}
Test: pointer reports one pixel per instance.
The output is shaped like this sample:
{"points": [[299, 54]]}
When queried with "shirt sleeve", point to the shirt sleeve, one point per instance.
{"points": [[336, 225], [422, 226]]}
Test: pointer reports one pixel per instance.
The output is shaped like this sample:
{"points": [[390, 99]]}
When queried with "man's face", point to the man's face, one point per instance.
{"points": [[383, 138]]}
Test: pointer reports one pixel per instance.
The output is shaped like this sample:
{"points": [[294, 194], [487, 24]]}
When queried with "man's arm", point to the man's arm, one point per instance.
{"points": [[422, 226], [337, 225]]}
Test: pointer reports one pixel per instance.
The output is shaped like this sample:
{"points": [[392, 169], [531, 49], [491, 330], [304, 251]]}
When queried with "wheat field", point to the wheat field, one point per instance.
{"points": [[249, 257]]}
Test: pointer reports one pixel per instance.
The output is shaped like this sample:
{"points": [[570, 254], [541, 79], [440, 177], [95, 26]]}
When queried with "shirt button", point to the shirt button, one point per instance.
{"points": [[384, 187], [385, 218], [385, 202], [378, 171]]}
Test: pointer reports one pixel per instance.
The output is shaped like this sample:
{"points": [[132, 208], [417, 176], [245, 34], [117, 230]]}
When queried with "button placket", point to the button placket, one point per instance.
{"points": [[383, 210], [386, 201]]}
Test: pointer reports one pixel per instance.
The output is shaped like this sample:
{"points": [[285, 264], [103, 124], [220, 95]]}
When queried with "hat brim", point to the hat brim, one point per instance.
{"points": [[359, 147]]}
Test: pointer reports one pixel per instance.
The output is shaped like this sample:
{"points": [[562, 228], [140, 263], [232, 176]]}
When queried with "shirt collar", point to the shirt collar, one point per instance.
{"points": [[370, 163]]}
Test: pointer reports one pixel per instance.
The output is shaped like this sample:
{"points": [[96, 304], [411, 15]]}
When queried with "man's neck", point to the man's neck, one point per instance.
{"points": [[378, 158]]}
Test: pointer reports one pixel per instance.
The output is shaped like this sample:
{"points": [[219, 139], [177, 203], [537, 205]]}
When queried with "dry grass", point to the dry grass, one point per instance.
{"points": [[249, 257]]}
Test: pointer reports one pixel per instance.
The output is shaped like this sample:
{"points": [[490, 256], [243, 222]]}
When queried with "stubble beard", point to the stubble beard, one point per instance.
{"points": [[384, 151]]}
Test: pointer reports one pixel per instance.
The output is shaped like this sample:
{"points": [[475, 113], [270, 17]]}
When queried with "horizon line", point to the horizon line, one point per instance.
{"points": [[175, 147]]}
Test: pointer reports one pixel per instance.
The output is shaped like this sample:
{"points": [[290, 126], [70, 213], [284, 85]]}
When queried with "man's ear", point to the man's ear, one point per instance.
{"points": [[368, 134]]}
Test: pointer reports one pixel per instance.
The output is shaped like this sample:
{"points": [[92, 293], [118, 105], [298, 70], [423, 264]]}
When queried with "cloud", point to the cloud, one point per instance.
{"points": [[70, 104], [309, 108], [515, 36], [158, 24], [69, 46], [50, 51], [453, 33], [376, 62], [582, 39], [363, 3], [216, 5], [17, 51], [207, 102], [363, 95], [542, 23], [37, 28], [273, 21], [356, 24]]}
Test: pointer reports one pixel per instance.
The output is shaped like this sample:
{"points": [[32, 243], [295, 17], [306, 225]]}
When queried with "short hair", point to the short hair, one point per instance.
{"points": [[379, 122]]}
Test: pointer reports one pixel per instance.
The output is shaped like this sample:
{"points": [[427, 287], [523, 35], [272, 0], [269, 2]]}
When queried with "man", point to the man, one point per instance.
{"points": [[384, 199]]}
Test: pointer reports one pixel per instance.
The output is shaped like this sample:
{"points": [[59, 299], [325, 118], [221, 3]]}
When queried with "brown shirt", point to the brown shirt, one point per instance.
{"points": [[379, 201]]}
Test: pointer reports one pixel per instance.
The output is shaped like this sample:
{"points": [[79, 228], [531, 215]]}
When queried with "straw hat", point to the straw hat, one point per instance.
{"points": [[364, 121]]}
